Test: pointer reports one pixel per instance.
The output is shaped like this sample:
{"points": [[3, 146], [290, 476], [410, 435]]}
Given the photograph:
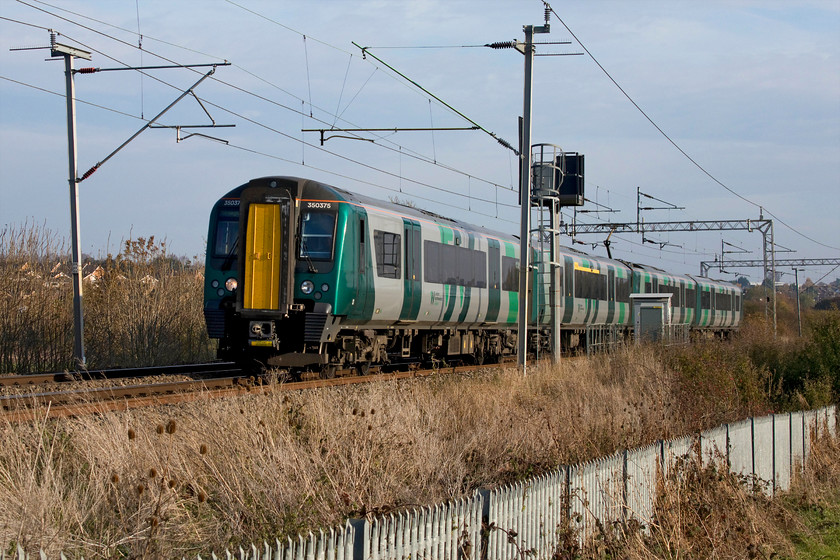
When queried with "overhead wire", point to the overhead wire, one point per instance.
{"points": [[64, 95], [25, 23], [276, 131], [261, 153], [350, 159], [455, 193], [501, 141], [674, 143], [402, 149]]}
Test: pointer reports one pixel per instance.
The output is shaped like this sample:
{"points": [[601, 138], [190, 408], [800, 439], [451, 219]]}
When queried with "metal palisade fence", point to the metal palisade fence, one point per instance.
{"points": [[572, 503]]}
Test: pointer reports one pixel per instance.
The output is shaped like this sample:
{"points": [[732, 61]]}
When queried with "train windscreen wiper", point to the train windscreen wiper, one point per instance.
{"points": [[305, 254], [231, 255]]}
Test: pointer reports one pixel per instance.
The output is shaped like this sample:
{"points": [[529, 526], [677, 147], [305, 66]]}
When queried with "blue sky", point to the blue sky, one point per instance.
{"points": [[749, 89]]}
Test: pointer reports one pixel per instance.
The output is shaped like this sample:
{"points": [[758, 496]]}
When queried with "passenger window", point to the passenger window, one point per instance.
{"points": [[387, 246], [510, 274]]}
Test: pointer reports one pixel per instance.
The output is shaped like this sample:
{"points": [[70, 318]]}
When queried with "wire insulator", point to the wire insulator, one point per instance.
{"points": [[89, 172], [501, 45], [89, 70]]}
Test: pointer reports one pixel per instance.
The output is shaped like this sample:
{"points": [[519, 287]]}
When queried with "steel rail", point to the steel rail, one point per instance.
{"points": [[101, 400], [121, 373]]}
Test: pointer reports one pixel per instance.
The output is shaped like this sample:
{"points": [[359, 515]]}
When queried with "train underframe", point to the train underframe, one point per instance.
{"points": [[317, 341]]}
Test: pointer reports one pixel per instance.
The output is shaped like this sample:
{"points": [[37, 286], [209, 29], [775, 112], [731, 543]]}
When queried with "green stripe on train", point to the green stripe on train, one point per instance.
{"points": [[513, 297]]}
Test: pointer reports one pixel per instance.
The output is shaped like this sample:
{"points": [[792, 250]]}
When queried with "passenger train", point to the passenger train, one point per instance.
{"points": [[307, 276]]}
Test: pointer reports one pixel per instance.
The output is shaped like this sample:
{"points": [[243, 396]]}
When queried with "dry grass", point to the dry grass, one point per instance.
{"points": [[705, 512], [142, 306], [260, 467], [170, 482], [241, 470]]}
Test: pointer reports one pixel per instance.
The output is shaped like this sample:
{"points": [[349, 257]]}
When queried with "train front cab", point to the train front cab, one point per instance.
{"points": [[259, 267], [253, 303]]}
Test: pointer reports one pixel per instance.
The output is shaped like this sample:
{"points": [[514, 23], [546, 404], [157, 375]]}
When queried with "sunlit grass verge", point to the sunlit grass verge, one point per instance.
{"points": [[177, 480], [279, 464]]}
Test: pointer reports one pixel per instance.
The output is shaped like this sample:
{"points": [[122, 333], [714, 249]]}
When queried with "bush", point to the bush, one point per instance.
{"points": [[142, 307], [147, 309], [36, 308]]}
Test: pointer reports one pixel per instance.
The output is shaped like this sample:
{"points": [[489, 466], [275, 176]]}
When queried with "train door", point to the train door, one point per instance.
{"points": [[494, 280], [263, 249], [611, 316], [413, 292], [365, 286]]}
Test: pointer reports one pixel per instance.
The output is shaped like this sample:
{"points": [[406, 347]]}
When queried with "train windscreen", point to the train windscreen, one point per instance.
{"points": [[316, 235], [227, 233]]}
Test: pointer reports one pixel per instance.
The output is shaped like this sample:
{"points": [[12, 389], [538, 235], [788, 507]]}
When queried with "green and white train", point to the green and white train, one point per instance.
{"points": [[304, 275]]}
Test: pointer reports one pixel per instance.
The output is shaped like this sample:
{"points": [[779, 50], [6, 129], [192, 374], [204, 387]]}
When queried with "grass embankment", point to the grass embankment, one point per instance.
{"points": [[172, 481], [241, 470]]}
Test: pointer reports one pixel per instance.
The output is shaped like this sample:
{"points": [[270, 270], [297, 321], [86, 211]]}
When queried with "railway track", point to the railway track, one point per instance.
{"points": [[193, 370], [219, 381]]}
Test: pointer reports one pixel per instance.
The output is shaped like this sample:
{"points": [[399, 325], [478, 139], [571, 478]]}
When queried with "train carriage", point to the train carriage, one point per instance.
{"points": [[718, 306], [324, 278], [300, 274]]}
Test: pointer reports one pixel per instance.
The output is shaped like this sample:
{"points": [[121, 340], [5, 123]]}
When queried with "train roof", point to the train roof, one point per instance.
{"points": [[407, 210], [412, 211]]}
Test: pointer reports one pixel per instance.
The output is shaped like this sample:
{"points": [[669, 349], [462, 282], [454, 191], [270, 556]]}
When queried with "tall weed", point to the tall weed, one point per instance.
{"points": [[36, 309], [146, 308], [142, 307]]}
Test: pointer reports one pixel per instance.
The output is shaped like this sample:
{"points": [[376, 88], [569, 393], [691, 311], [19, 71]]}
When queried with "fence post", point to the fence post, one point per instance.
{"points": [[360, 537], [728, 447], [484, 545], [804, 431], [773, 450], [752, 448], [625, 492], [790, 444]]}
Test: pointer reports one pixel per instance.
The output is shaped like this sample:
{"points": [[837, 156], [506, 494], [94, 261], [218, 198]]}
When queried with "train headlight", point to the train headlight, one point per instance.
{"points": [[231, 284], [215, 283], [325, 287], [307, 287]]}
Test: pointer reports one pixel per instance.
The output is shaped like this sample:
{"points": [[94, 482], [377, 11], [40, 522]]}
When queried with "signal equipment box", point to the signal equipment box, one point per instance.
{"points": [[570, 191], [556, 176]]}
